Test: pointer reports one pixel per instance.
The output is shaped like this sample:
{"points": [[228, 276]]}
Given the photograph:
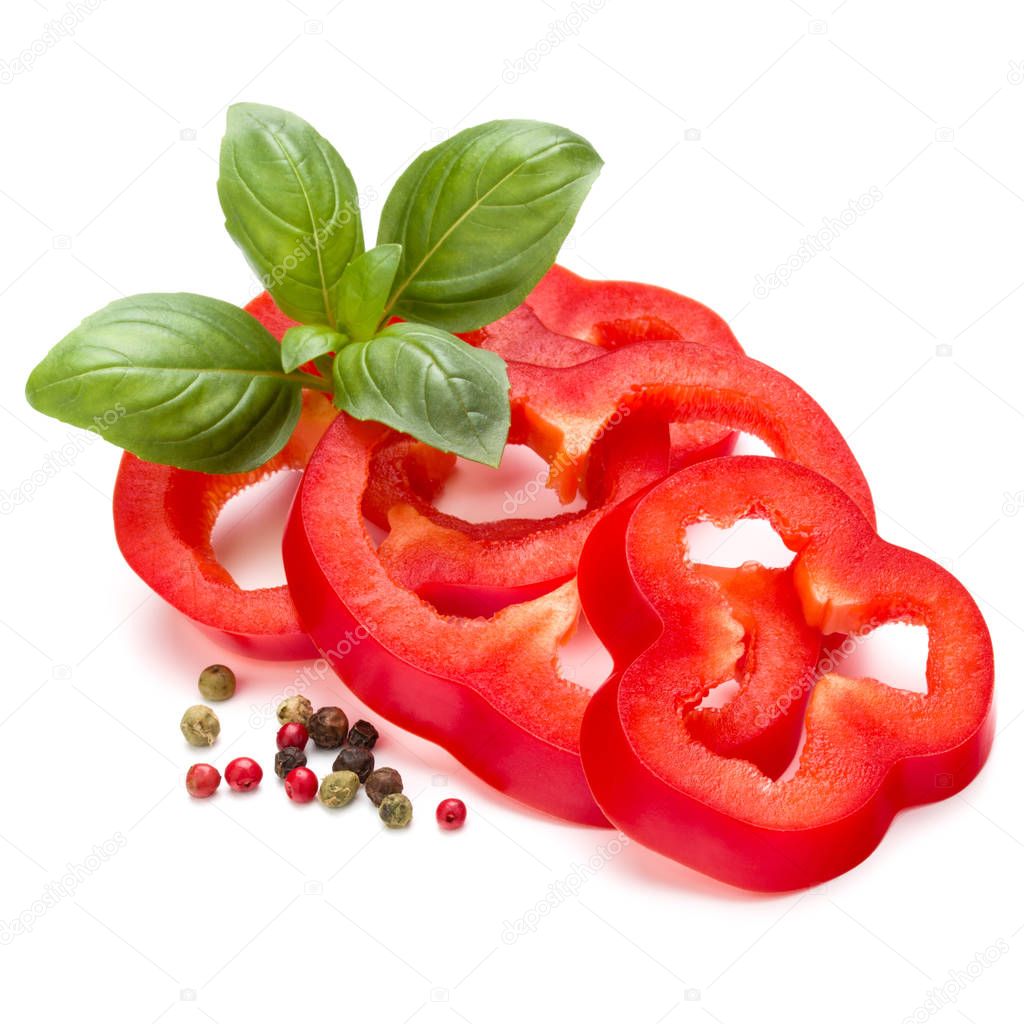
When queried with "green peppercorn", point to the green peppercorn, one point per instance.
{"points": [[354, 759], [217, 682], [338, 788], [363, 734], [381, 783], [328, 728], [200, 726], [396, 810], [295, 709], [288, 758]]}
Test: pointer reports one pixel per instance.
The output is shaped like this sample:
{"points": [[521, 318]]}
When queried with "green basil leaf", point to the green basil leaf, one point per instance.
{"points": [[426, 382], [365, 287], [290, 204], [307, 342], [481, 217], [178, 379]]}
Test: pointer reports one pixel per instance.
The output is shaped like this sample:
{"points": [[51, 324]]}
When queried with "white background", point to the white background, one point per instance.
{"points": [[729, 132]]}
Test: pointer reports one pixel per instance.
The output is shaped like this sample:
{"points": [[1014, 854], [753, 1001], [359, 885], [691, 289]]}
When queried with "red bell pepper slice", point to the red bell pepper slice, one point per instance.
{"points": [[870, 749], [488, 689], [561, 412], [568, 319], [164, 518]]}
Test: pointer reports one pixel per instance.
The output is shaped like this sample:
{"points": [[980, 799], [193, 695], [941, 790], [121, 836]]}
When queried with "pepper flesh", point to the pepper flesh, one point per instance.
{"points": [[870, 749], [164, 519]]}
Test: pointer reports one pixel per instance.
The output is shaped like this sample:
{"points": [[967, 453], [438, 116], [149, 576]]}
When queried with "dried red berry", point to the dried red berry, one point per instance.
{"points": [[202, 780], [243, 774], [292, 734], [301, 785], [451, 814]]}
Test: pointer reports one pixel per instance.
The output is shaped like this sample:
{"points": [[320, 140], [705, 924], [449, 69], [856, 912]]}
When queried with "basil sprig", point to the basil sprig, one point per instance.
{"points": [[467, 231]]}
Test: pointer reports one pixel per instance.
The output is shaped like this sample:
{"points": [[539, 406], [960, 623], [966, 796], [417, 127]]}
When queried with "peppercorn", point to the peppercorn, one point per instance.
{"points": [[354, 759], [328, 728], [338, 788], [292, 734], [287, 759], [202, 780], [200, 726], [301, 785], [363, 734], [396, 810], [381, 783], [451, 814], [217, 682], [294, 709], [243, 774]]}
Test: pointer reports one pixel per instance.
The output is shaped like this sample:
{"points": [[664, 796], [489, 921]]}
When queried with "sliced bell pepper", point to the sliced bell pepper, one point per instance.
{"points": [[622, 398], [488, 688], [164, 519], [568, 319], [870, 749]]}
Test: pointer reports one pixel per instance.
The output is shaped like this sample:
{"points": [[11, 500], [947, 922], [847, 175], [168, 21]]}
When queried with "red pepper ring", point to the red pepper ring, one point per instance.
{"points": [[163, 520], [566, 409], [567, 320], [870, 749], [487, 689], [623, 398]]}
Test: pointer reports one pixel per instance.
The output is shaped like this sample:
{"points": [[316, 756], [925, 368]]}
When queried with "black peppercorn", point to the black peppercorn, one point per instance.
{"points": [[354, 759], [287, 759], [363, 734], [381, 783], [328, 728]]}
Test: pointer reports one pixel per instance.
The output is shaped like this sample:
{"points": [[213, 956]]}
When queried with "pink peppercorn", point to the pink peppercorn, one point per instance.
{"points": [[292, 734], [202, 780], [451, 814], [301, 785], [243, 774]]}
